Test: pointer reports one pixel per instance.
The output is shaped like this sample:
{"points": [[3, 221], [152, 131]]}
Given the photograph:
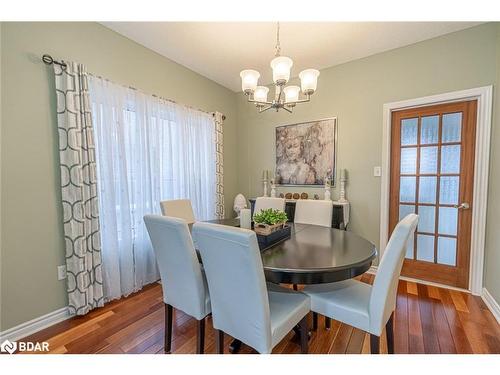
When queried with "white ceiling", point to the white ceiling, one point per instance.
{"points": [[220, 50]]}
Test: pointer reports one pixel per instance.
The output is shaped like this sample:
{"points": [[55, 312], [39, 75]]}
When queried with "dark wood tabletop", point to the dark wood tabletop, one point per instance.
{"points": [[315, 254]]}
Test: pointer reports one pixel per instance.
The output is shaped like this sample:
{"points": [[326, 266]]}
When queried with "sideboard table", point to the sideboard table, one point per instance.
{"points": [[340, 217]]}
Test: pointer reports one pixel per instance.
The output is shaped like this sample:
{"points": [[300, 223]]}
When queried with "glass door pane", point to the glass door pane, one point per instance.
{"points": [[431, 174], [430, 159]]}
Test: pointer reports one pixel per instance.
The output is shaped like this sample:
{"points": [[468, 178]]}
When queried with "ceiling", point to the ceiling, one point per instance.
{"points": [[220, 50]]}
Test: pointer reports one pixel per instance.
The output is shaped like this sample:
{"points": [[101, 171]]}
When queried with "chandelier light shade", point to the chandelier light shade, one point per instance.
{"points": [[291, 94], [281, 66], [260, 94], [309, 80], [249, 79], [286, 97]]}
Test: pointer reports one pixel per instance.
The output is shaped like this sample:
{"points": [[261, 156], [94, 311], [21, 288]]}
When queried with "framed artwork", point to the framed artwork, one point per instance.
{"points": [[306, 153]]}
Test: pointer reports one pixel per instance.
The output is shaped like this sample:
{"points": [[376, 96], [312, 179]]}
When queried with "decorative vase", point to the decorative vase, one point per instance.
{"points": [[240, 202], [273, 189], [328, 193]]}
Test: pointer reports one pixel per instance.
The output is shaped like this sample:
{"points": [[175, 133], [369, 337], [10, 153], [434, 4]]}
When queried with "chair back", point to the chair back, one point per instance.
{"points": [[384, 290], [315, 212], [180, 208], [182, 281], [264, 203], [235, 276]]}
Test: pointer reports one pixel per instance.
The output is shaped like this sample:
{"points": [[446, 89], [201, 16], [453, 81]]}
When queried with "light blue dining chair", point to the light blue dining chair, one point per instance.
{"points": [[242, 305], [183, 282], [264, 203], [314, 212], [364, 306], [180, 208]]}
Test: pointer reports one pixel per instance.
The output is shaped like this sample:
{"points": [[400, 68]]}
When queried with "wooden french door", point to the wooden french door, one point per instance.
{"points": [[432, 174]]}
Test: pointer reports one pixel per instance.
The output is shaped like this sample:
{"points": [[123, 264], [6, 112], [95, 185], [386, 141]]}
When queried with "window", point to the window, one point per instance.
{"points": [[147, 150]]}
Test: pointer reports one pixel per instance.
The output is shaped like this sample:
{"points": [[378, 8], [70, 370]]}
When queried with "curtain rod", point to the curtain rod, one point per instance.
{"points": [[47, 59]]}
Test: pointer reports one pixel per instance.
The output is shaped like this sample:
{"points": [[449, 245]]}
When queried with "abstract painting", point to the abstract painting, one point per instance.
{"points": [[305, 153]]}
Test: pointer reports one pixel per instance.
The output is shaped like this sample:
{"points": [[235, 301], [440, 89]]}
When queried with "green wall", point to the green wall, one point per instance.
{"points": [[31, 241], [355, 92], [492, 259], [31, 231]]}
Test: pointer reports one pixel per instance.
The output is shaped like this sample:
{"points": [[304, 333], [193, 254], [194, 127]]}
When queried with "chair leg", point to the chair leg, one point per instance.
{"points": [[168, 328], [389, 330], [328, 322], [200, 340], [374, 344], [304, 335], [219, 341], [315, 321]]}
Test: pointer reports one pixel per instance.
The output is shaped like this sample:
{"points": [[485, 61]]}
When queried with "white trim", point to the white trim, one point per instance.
{"points": [[490, 302], [28, 328], [373, 271], [481, 168]]}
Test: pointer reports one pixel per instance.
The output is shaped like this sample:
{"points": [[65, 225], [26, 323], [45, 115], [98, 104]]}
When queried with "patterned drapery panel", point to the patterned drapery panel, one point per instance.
{"points": [[219, 160], [79, 189]]}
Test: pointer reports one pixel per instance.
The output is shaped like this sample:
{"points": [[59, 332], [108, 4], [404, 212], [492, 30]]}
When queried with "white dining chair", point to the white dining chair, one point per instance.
{"points": [[183, 282], [180, 208], [242, 305], [265, 203], [315, 212], [364, 306]]}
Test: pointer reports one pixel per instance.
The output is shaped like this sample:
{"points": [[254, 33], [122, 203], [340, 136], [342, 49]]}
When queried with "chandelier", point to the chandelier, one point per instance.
{"points": [[286, 97]]}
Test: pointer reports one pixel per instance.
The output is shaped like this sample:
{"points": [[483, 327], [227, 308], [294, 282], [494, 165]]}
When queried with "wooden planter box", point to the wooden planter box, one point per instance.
{"points": [[266, 229], [277, 233]]}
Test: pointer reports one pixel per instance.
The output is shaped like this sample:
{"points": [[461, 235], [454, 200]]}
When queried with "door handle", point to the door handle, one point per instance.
{"points": [[462, 206]]}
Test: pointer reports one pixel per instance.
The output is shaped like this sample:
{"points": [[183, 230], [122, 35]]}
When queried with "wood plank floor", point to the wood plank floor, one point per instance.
{"points": [[427, 320]]}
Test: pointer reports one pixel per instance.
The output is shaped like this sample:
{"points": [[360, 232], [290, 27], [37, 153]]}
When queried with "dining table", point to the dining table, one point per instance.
{"points": [[313, 255]]}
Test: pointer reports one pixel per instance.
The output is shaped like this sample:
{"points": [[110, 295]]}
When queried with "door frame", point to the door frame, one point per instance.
{"points": [[483, 95]]}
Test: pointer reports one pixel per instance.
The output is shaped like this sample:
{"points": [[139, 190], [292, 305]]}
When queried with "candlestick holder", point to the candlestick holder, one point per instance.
{"points": [[343, 180], [264, 186]]}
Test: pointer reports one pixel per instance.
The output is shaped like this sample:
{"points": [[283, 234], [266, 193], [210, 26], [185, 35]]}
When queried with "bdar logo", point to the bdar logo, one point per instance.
{"points": [[8, 347], [23, 346]]}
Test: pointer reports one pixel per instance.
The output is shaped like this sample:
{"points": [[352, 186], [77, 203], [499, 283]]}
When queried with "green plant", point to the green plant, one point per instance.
{"points": [[270, 217]]}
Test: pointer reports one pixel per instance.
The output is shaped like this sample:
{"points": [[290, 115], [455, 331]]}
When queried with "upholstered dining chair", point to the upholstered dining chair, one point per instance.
{"points": [[364, 306], [242, 305], [315, 212], [180, 208], [183, 282], [264, 203]]}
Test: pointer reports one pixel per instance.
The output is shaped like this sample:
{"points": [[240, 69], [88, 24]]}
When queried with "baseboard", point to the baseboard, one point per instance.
{"points": [[373, 271], [490, 302], [28, 328]]}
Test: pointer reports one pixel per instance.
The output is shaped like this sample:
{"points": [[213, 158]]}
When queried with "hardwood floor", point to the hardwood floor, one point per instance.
{"points": [[427, 320]]}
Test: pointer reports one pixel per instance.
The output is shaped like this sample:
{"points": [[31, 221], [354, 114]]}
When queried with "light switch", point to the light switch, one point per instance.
{"points": [[377, 171]]}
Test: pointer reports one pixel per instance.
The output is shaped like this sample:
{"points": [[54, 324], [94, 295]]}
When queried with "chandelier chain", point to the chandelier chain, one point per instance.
{"points": [[278, 46]]}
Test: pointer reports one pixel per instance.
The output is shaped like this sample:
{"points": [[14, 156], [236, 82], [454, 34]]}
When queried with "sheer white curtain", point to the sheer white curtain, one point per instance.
{"points": [[148, 150]]}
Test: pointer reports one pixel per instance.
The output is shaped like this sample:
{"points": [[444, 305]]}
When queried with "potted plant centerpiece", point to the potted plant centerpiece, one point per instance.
{"points": [[270, 227], [269, 221]]}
